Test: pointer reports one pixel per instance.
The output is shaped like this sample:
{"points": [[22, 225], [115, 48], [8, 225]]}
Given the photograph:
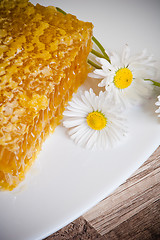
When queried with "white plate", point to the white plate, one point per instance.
{"points": [[66, 180]]}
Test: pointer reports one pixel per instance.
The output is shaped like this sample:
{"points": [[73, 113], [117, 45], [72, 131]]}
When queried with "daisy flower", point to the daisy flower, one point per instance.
{"points": [[93, 121], [158, 104], [124, 76]]}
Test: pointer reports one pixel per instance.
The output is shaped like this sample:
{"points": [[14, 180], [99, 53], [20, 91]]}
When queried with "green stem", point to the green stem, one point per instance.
{"points": [[154, 82], [93, 64], [101, 48], [97, 53], [60, 10]]}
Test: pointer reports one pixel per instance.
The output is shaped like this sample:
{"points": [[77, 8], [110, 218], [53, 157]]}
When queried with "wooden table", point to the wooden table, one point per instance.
{"points": [[131, 212]]}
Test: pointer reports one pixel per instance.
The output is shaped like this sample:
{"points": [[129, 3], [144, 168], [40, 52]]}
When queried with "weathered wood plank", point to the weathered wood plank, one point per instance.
{"points": [[139, 191], [80, 229], [144, 225]]}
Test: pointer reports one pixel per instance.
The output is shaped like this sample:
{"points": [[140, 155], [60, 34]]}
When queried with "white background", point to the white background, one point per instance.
{"points": [[66, 180]]}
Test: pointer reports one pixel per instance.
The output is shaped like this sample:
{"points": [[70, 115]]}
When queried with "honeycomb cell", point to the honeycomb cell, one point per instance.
{"points": [[43, 61]]}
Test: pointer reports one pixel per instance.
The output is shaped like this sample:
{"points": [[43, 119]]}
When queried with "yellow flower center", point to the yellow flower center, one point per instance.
{"points": [[123, 78], [96, 120]]}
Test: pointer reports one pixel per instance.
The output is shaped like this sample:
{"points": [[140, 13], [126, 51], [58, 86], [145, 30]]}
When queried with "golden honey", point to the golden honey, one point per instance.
{"points": [[43, 60]]}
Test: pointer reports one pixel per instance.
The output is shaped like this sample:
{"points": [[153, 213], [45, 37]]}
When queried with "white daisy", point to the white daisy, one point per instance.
{"points": [[123, 77], [158, 104], [93, 121]]}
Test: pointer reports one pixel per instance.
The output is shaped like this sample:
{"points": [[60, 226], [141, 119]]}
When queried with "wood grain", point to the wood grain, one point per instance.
{"points": [[77, 230], [143, 225], [139, 191], [132, 212]]}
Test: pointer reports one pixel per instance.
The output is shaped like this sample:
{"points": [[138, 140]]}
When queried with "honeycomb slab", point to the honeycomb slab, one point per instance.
{"points": [[43, 60]]}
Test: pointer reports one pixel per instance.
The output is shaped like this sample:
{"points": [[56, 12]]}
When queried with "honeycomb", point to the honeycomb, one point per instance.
{"points": [[43, 60]]}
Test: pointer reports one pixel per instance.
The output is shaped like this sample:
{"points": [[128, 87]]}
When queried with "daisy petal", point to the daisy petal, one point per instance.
{"points": [[99, 128], [125, 77], [93, 75], [125, 55], [73, 122], [158, 104], [105, 64], [101, 72]]}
